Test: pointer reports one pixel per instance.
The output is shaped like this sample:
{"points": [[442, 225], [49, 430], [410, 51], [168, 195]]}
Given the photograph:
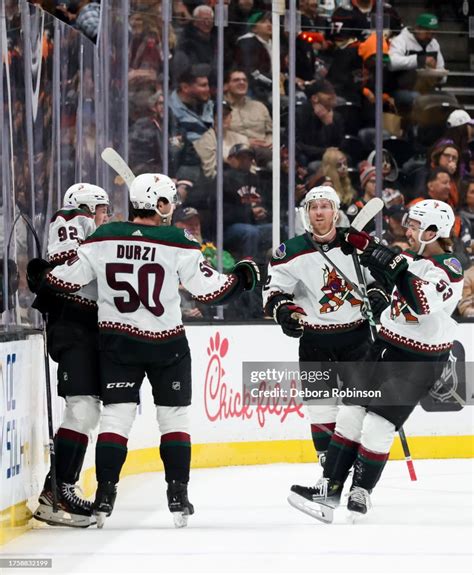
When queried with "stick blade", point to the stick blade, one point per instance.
{"points": [[118, 164], [367, 213]]}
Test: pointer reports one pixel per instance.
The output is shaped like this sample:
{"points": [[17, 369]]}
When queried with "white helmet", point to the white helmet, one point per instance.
{"points": [[147, 189], [431, 213], [85, 194], [319, 193]]}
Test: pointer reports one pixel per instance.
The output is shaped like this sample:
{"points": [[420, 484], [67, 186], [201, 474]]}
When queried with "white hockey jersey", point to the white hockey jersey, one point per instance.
{"points": [[300, 272], [138, 269], [69, 227], [420, 320]]}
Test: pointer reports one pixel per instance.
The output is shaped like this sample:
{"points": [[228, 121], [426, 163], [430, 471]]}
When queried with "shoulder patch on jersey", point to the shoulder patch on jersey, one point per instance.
{"points": [[290, 249], [454, 265], [280, 252], [189, 236]]}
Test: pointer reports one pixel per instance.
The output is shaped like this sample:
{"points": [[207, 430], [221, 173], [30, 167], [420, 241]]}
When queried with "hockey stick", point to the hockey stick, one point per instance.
{"points": [[47, 372], [49, 405], [118, 164], [373, 335]]}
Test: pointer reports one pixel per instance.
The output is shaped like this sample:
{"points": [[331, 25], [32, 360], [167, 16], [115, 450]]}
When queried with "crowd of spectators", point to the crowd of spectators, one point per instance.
{"points": [[428, 137], [427, 134]]}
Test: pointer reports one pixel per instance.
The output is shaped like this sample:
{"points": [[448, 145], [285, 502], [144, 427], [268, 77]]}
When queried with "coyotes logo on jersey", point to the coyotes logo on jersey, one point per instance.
{"points": [[400, 306], [336, 291]]}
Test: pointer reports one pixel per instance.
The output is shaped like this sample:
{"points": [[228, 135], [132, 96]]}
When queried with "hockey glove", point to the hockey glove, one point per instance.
{"points": [[383, 263], [288, 316], [248, 273], [36, 271], [379, 300], [358, 240]]}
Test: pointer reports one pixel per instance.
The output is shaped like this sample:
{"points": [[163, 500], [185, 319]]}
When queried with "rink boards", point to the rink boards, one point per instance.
{"points": [[225, 430]]}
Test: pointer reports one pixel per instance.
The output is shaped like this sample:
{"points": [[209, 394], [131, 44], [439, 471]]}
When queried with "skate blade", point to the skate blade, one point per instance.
{"points": [[100, 518], [61, 518], [355, 517], [180, 519], [319, 511]]}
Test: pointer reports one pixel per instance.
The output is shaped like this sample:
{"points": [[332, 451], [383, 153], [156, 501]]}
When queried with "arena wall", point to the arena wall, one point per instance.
{"points": [[224, 430]]}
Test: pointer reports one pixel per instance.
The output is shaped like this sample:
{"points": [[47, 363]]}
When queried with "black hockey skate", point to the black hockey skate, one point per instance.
{"points": [[318, 501], [104, 502], [73, 511], [358, 502], [178, 503]]}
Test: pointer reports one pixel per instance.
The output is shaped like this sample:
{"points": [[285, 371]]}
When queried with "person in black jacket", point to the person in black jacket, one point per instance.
{"points": [[253, 53], [318, 126], [246, 227]]}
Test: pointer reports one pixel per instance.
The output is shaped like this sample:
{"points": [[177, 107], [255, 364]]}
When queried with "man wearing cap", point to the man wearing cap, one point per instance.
{"points": [[318, 126], [412, 50], [254, 54], [246, 227]]}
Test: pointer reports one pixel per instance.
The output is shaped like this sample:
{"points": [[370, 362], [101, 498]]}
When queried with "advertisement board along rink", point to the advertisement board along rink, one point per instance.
{"points": [[224, 430]]}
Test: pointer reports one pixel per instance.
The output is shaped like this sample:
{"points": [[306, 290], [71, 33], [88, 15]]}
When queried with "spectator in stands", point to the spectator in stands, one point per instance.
{"points": [[249, 117], [412, 50], [364, 10], [254, 54], [206, 146], [390, 171], [438, 188], [191, 103], [246, 228], [395, 231], [367, 51], [345, 70], [335, 167], [146, 141], [239, 13], [461, 131], [444, 154], [318, 126], [197, 44], [144, 49], [466, 305], [467, 203], [313, 27], [367, 189]]}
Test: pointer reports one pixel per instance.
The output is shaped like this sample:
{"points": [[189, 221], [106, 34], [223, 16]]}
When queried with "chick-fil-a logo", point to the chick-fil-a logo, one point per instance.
{"points": [[221, 401]]}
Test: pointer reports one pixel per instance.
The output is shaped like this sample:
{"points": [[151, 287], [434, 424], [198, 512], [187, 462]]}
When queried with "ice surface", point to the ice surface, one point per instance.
{"points": [[243, 524]]}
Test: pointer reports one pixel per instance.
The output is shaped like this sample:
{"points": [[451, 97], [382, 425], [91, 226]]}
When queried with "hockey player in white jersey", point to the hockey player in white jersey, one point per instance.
{"points": [[408, 356], [72, 343], [138, 266], [311, 300]]}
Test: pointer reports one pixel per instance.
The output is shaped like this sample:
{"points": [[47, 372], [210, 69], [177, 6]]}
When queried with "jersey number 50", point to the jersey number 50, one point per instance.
{"points": [[141, 296]]}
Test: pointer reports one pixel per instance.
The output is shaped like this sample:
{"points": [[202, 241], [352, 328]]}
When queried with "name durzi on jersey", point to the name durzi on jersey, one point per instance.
{"points": [[136, 252]]}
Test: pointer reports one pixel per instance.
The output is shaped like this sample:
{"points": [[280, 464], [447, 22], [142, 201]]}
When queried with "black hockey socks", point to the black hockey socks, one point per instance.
{"points": [[368, 468], [71, 449], [175, 452], [321, 434], [340, 457], [110, 455]]}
